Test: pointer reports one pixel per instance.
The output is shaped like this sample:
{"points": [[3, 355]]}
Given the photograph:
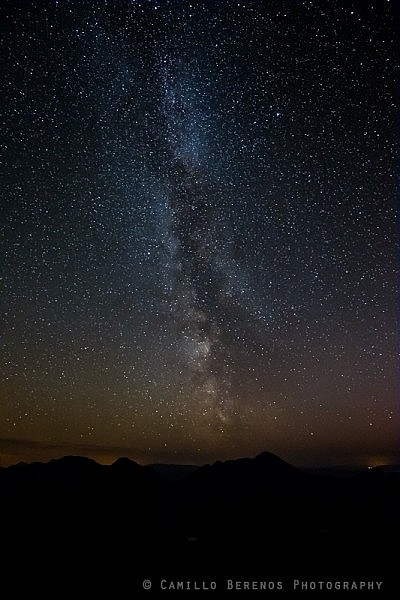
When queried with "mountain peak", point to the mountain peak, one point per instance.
{"points": [[274, 464], [125, 463], [264, 456]]}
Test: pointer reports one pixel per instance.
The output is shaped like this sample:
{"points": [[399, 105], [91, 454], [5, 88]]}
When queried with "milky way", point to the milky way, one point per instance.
{"points": [[198, 227]]}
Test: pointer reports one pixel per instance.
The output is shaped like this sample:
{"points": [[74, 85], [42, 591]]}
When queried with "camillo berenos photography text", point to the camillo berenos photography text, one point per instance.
{"points": [[300, 585]]}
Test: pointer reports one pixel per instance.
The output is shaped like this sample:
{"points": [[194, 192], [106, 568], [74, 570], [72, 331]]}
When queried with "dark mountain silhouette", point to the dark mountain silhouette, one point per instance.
{"points": [[173, 472], [261, 471], [335, 471], [126, 470], [248, 516], [127, 464]]}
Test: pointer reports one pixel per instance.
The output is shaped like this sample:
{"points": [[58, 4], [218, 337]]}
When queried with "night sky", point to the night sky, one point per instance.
{"points": [[198, 230]]}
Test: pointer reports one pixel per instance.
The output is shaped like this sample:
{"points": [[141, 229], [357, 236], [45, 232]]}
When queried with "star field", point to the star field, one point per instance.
{"points": [[198, 227]]}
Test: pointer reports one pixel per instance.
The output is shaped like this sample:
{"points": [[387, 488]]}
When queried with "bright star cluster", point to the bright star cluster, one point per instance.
{"points": [[198, 227]]}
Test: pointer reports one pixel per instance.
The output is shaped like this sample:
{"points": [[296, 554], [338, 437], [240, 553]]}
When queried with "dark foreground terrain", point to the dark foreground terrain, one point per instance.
{"points": [[75, 528]]}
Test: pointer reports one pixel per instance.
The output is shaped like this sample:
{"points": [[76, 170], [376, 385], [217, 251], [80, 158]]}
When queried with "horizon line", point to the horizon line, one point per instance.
{"points": [[14, 451]]}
